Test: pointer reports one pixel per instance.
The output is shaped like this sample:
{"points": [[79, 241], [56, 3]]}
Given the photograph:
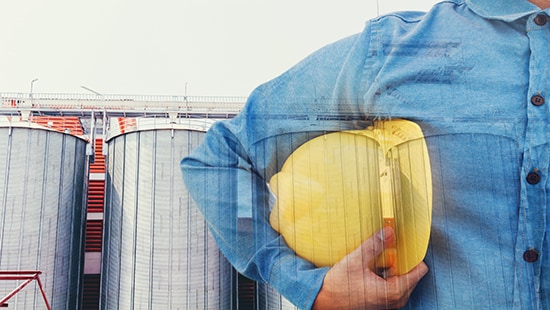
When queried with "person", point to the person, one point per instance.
{"points": [[475, 76]]}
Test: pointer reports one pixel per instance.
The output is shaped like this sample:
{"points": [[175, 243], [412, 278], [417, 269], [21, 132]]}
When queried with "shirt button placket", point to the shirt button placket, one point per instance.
{"points": [[539, 20], [535, 168]]}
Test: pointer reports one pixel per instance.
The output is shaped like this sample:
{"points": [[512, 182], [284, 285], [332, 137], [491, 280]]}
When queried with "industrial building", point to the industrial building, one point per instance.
{"points": [[93, 210]]}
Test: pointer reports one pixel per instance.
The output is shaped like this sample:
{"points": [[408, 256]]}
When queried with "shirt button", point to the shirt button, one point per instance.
{"points": [[533, 178], [537, 100], [541, 19], [531, 255]]}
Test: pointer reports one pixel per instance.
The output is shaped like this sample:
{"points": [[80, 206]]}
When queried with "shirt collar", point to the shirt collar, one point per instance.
{"points": [[505, 10]]}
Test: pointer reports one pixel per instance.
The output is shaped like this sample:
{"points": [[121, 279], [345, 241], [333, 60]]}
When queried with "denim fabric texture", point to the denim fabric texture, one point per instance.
{"points": [[467, 73]]}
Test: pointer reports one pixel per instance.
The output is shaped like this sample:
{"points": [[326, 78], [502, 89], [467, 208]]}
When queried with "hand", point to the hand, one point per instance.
{"points": [[350, 284]]}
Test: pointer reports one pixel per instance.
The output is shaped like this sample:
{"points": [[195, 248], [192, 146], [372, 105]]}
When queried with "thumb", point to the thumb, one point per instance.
{"points": [[371, 248]]}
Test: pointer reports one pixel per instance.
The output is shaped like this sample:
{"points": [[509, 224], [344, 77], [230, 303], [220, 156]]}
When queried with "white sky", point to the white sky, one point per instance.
{"points": [[156, 47]]}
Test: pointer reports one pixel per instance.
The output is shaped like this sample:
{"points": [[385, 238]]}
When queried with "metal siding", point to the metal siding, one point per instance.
{"points": [[267, 298], [42, 214], [157, 251]]}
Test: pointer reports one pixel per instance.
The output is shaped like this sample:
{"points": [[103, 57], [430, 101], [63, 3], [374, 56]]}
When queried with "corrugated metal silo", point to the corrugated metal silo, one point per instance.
{"points": [[157, 252], [267, 298], [42, 213]]}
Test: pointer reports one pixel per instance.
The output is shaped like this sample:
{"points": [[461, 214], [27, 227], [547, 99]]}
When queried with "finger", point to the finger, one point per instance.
{"points": [[373, 246], [406, 283], [412, 278], [399, 288]]}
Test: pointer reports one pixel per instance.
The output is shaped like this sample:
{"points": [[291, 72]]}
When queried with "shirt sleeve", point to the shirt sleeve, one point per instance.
{"points": [[227, 174], [235, 202]]}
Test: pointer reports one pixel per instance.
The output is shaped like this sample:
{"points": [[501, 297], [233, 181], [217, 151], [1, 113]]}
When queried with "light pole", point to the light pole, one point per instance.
{"points": [[32, 83], [90, 148], [91, 90], [185, 98]]}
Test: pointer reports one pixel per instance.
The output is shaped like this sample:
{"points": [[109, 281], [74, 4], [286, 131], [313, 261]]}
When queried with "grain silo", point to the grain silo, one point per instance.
{"points": [[157, 252], [42, 211], [267, 298]]}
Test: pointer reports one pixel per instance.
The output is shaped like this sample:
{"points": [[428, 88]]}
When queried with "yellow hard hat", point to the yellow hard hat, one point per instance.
{"points": [[336, 190]]}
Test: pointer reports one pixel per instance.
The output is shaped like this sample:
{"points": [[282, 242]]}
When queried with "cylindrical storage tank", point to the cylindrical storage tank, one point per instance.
{"points": [[267, 298], [157, 252], [42, 213]]}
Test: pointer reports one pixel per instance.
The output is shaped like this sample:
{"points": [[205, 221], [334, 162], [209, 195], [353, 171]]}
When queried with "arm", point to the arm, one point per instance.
{"points": [[234, 199]]}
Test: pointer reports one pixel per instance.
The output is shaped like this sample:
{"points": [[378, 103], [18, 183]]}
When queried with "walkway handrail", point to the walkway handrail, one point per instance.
{"points": [[124, 97]]}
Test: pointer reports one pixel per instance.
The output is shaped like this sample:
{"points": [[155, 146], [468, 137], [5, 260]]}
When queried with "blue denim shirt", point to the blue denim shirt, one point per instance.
{"points": [[474, 75]]}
